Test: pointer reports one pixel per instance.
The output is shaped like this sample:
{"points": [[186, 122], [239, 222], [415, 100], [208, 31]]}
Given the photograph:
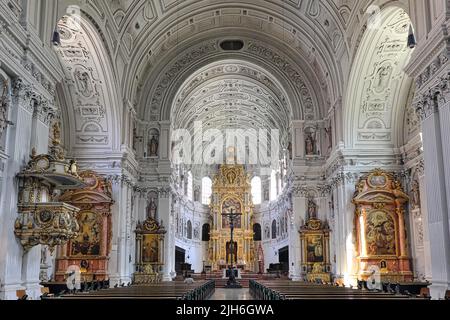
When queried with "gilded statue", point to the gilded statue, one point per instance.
{"points": [[56, 133], [73, 168]]}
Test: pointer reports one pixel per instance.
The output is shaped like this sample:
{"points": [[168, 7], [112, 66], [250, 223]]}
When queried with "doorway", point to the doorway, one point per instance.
{"points": [[283, 257], [180, 256]]}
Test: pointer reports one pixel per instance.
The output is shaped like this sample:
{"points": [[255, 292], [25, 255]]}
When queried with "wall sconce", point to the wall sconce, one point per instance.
{"points": [[411, 38], [56, 38]]}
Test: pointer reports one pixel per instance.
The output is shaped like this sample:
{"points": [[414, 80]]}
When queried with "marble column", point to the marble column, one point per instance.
{"points": [[346, 265], [436, 193], [297, 219], [426, 233], [167, 220], [18, 268], [122, 249]]}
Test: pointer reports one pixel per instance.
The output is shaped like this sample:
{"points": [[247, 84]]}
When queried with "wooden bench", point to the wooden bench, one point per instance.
{"points": [[290, 290], [201, 290]]}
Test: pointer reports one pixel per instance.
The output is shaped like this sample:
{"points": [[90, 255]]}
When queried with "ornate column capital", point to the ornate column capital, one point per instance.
{"points": [[300, 191], [436, 97], [45, 111], [23, 94]]}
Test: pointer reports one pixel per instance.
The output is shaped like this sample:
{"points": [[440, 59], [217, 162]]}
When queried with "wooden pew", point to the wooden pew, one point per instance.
{"points": [[200, 290], [290, 290]]}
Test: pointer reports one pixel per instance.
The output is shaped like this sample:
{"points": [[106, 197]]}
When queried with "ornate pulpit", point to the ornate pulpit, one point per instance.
{"points": [[315, 244], [90, 249], [42, 218], [149, 252], [380, 228], [231, 193]]}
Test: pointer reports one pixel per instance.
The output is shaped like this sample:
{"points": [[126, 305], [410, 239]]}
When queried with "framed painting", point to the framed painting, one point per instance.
{"points": [[150, 248], [228, 206], [314, 248], [88, 241]]}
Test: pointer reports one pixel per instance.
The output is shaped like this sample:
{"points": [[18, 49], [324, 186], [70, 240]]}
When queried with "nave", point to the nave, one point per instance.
{"points": [[295, 148], [268, 290]]}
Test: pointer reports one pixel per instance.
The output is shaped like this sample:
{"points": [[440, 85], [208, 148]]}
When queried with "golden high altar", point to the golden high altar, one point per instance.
{"points": [[231, 192]]}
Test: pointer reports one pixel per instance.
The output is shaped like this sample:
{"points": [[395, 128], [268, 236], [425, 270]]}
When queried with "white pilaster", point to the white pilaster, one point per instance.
{"points": [[436, 205]]}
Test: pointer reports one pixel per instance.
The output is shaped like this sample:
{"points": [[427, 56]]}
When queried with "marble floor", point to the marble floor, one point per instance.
{"points": [[231, 294]]}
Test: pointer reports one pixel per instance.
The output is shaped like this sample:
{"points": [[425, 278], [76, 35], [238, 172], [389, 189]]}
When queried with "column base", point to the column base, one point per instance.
{"points": [[34, 291], [437, 290], [296, 278], [167, 278], [8, 292], [351, 280]]}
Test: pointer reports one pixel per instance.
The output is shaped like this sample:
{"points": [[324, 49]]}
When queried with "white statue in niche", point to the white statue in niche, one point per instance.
{"points": [[310, 144], [151, 209], [153, 146], [312, 209], [415, 195]]}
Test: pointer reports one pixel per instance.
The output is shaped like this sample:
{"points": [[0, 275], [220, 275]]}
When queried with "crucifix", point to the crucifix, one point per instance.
{"points": [[232, 283]]}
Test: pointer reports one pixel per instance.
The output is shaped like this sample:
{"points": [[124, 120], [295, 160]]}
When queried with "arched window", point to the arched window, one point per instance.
{"points": [[205, 232], [274, 229], [189, 229], [257, 232], [256, 190], [190, 187], [206, 190], [273, 186]]}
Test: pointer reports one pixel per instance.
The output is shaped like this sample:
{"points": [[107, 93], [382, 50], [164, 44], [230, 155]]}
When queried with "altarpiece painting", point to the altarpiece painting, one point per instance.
{"points": [[380, 227]]}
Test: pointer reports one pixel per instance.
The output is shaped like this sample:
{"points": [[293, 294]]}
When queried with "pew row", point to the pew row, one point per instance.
{"points": [[290, 290], [200, 290]]}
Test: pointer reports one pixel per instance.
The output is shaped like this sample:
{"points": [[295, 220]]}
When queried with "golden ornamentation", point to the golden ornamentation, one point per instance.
{"points": [[378, 206], [93, 244], [41, 218], [56, 134], [315, 243], [380, 228], [232, 191], [46, 223], [149, 251]]}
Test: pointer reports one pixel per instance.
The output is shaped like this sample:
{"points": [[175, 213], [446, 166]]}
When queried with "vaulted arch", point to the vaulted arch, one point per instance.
{"points": [[379, 88], [88, 93]]}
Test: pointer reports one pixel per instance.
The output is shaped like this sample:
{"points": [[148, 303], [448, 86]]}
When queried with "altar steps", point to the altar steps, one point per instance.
{"points": [[246, 277]]}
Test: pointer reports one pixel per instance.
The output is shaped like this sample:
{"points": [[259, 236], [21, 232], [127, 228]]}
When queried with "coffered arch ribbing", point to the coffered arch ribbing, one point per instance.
{"points": [[232, 95], [275, 26]]}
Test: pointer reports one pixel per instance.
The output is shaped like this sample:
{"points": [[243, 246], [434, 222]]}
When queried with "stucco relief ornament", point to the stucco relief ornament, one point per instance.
{"points": [[383, 78], [84, 83], [4, 109]]}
